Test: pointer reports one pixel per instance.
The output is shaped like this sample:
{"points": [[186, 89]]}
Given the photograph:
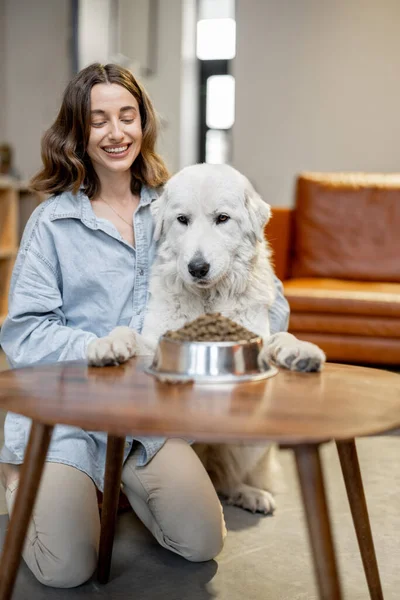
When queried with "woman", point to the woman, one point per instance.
{"points": [[82, 270]]}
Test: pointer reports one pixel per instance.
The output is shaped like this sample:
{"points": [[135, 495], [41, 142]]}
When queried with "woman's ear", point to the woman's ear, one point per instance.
{"points": [[259, 211], [157, 212]]}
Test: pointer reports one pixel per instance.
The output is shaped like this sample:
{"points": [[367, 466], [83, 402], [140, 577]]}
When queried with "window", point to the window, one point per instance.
{"points": [[220, 102], [216, 39]]}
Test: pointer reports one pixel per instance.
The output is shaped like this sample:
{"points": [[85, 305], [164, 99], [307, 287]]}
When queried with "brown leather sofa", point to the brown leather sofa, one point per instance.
{"points": [[338, 255]]}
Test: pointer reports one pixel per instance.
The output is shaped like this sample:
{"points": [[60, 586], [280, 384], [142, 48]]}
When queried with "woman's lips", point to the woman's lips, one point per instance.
{"points": [[114, 152]]}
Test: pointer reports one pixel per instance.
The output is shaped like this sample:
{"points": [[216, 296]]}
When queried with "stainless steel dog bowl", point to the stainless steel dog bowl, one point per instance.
{"points": [[209, 362]]}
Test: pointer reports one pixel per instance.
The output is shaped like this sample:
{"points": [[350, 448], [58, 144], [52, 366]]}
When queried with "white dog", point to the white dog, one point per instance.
{"points": [[212, 257]]}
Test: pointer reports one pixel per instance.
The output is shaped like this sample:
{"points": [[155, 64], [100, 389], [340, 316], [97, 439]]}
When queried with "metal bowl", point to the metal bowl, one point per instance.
{"points": [[209, 362]]}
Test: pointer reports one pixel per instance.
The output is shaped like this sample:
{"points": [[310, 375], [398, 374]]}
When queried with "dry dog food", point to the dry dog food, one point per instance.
{"points": [[211, 327]]}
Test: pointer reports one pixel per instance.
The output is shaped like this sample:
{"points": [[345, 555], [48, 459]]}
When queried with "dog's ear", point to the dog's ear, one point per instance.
{"points": [[157, 212], [259, 211]]}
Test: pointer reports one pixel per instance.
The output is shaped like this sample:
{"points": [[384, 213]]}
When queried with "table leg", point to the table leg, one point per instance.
{"points": [[319, 528], [112, 485], [31, 473], [355, 492]]}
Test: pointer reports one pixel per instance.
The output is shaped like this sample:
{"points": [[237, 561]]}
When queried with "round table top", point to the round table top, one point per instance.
{"points": [[341, 402]]}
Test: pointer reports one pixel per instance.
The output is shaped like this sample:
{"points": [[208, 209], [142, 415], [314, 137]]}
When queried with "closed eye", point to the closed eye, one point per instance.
{"points": [[222, 218], [101, 123], [182, 219]]}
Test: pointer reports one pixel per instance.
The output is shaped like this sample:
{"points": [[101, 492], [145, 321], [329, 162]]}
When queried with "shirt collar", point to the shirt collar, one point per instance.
{"points": [[77, 206]]}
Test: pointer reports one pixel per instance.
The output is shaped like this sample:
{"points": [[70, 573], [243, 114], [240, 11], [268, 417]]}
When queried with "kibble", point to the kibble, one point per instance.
{"points": [[212, 327]]}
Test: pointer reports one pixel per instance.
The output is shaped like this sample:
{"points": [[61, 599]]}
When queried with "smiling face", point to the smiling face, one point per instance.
{"points": [[209, 220], [116, 131]]}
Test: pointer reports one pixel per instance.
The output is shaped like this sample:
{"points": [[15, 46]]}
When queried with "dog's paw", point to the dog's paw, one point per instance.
{"points": [[114, 349], [303, 356], [286, 351], [252, 499]]}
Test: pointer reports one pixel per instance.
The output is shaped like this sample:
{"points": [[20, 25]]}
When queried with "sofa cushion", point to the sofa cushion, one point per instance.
{"points": [[278, 233], [346, 325], [355, 349], [347, 226], [320, 295]]}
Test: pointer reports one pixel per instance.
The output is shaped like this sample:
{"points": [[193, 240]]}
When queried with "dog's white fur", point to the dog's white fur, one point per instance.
{"points": [[239, 284]]}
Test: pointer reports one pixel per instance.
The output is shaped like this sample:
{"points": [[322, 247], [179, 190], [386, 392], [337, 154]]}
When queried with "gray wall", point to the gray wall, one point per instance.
{"points": [[317, 88], [164, 87], [317, 85], [189, 98], [173, 88], [36, 70], [35, 66]]}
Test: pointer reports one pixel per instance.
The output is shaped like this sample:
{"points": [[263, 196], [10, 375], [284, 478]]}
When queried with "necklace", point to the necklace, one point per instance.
{"points": [[118, 215]]}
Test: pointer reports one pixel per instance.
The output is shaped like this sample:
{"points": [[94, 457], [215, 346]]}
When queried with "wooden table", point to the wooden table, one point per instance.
{"points": [[296, 410]]}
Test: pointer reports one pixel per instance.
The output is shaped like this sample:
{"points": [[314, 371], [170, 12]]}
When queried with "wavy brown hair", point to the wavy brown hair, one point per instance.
{"points": [[66, 164]]}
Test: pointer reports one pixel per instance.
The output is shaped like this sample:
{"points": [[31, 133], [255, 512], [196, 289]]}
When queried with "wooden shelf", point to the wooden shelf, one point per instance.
{"points": [[6, 267], [8, 253], [7, 182], [16, 205]]}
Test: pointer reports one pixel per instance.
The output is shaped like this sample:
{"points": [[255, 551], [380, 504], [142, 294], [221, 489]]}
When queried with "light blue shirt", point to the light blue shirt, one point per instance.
{"points": [[75, 279]]}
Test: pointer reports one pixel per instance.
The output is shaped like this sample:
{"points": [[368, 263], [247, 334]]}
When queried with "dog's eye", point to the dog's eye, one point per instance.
{"points": [[222, 219], [184, 220]]}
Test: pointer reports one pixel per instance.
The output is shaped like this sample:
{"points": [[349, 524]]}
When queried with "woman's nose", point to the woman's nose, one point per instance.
{"points": [[116, 132]]}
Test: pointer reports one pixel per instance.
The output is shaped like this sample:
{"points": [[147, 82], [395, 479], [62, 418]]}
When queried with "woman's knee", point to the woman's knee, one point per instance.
{"points": [[62, 539], [205, 540], [70, 570], [185, 508]]}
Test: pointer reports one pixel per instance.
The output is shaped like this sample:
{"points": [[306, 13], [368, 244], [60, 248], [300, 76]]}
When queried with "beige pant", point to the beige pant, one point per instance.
{"points": [[172, 495]]}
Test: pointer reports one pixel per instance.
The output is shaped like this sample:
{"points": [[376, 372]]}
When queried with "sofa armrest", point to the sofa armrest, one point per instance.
{"points": [[279, 234]]}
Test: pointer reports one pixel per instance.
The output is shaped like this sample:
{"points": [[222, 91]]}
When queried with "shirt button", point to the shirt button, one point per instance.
{"points": [[141, 272], [127, 444]]}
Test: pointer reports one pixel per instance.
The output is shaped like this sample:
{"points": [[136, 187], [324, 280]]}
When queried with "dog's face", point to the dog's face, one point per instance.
{"points": [[208, 217]]}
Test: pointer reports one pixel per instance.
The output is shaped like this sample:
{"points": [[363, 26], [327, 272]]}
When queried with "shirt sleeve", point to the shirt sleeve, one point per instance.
{"points": [[280, 311], [35, 329]]}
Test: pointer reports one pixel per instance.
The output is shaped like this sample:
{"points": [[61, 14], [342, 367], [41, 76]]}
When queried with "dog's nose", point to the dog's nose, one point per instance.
{"points": [[198, 268]]}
